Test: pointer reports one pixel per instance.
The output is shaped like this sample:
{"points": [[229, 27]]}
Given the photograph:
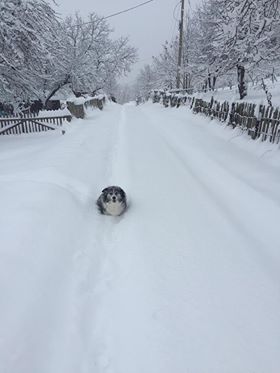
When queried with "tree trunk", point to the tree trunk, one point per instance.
{"points": [[60, 85], [241, 81], [209, 82], [214, 80]]}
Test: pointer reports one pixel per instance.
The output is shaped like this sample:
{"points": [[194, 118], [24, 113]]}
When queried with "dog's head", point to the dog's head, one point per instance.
{"points": [[113, 194]]}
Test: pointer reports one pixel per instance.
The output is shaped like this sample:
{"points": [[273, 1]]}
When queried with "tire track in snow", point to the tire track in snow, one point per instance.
{"points": [[109, 239], [98, 282], [195, 163], [237, 168]]}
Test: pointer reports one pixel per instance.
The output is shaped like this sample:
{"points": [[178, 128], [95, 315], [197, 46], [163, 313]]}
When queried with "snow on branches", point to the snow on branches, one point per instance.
{"points": [[222, 38], [40, 54], [26, 30]]}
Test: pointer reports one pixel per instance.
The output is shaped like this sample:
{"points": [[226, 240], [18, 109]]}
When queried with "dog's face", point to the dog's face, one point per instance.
{"points": [[113, 194]]}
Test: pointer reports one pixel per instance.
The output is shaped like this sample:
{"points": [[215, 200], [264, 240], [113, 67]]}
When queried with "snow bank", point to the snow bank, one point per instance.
{"points": [[54, 113]]}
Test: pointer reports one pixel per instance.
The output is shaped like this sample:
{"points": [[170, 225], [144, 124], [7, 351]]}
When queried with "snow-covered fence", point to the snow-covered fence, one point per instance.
{"points": [[77, 110], [268, 125], [260, 122], [77, 107], [97, 102], [17, 125]]}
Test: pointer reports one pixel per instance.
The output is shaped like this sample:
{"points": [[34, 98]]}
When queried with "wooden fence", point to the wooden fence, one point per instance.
{"points": [[29, 123], [258, 121], [17, 125]]}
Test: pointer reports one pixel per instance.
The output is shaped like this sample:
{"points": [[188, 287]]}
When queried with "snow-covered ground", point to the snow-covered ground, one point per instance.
{"points": [[255, 93], [186, 281]]}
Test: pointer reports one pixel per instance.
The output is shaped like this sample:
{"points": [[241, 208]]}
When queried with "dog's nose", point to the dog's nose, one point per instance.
{"points": [[114, 199]]}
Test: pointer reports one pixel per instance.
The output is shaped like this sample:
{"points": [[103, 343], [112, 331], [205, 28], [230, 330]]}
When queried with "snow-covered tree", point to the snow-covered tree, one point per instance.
{"points": [[165, 65], [40, 54], [26, 30], [238, 34], [124, 93], [93, 60], [145, 82]]}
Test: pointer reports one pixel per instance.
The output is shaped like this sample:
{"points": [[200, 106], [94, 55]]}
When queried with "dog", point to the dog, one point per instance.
{"points": [[112, 201]]}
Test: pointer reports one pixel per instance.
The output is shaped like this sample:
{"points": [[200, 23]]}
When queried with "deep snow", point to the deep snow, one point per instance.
{"points": [[186, 281]]}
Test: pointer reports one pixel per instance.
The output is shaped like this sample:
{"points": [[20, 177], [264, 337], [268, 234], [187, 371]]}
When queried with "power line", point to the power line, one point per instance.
{"points": [[116, 14], [127, 10], [174, 10]]}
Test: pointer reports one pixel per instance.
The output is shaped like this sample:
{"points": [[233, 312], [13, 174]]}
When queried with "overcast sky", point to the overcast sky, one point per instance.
{"points": [[147, 27]]}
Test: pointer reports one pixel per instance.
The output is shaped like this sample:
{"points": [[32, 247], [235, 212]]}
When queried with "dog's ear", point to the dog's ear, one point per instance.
{"points": [[122, 193], [105, 190]]}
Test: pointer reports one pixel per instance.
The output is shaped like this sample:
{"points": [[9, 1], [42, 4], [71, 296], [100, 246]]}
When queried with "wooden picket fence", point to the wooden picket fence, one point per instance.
{"points": [[258, 121], [30, 123]]}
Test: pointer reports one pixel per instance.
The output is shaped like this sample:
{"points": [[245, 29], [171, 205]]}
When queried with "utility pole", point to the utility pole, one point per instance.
{"points": [[181, 29]]}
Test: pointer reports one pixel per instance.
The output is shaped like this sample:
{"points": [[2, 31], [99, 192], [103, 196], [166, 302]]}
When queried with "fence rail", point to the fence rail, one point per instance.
{"points": [[259, 122], [17, 125]]}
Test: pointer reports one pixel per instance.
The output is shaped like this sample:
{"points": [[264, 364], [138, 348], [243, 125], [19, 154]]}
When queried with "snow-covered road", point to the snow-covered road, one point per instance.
{"points": [[187, 281]]}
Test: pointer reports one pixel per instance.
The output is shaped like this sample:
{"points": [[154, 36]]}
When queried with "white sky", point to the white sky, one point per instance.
{"points": [[147, 27]]}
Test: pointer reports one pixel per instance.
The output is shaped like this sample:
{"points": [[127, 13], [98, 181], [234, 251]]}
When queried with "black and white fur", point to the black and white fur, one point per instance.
{"points": [[112, 201]]}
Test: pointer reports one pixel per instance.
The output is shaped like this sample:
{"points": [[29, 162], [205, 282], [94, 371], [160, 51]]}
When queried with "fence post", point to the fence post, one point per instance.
{"points": [[232, 115]]}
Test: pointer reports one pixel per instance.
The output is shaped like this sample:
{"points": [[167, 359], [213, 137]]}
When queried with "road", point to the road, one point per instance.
{"points": [[187, 280]]}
